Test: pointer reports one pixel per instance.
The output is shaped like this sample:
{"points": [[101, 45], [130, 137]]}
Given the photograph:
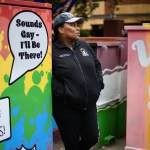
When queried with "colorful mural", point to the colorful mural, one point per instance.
{"points": [[25, 76], [138, 106]]}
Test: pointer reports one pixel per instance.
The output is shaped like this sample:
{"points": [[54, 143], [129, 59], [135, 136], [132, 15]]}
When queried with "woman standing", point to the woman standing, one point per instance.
{"points": [[76, 84]]}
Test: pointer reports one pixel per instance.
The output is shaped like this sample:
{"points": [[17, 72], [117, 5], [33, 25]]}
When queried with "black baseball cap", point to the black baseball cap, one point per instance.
{"points": [[67, 17]]}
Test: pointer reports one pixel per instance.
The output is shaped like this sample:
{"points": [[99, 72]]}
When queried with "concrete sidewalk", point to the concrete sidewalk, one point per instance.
{"points": [[119, 144]]}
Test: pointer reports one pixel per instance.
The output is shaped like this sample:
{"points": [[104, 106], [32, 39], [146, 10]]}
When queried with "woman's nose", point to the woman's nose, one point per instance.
{"points": [[78, 28]]}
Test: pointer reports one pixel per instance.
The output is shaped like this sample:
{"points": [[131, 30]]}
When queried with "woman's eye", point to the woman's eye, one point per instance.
{"points": [[73, 24], [79, 25]]}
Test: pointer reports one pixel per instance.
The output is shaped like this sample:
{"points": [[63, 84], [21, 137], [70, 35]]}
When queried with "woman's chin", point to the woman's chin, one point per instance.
{"points": [[77, 37]]}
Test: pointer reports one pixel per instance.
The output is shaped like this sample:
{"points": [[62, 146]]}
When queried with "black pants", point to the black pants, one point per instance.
{"points": [[78, 128]]}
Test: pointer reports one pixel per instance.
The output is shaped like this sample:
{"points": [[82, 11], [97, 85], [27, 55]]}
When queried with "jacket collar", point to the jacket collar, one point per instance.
{"points": [[61, 45]]}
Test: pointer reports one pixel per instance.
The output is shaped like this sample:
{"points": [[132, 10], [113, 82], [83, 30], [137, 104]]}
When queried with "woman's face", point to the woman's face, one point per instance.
{"points": [[71, 31]]}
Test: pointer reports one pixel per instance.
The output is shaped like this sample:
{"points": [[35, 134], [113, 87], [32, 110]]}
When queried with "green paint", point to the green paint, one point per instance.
{"points": [[112, 121], [1, 146], [109, 139], [121, 119], [41, 73], [29, 106], [6, 78], [36, 77], [47, 89]]}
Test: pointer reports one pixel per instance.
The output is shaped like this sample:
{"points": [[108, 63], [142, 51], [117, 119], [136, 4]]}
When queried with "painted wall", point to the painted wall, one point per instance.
{"points": [[113, 57], [25, 76], [138, 103]]}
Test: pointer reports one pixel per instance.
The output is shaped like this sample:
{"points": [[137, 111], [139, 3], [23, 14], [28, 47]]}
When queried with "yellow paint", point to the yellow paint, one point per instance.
{"points": [[1, 39], [6, 47], [5, 70], [28, 80], [28, 77], [147, 111], [147, 25], [7, 63]]}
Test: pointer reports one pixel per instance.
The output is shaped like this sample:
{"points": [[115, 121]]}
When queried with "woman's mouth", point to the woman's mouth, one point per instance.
{"points": [[78, 34]]}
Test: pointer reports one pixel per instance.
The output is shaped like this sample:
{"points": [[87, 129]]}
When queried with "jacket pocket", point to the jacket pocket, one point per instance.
{"points": [[73, 96]]}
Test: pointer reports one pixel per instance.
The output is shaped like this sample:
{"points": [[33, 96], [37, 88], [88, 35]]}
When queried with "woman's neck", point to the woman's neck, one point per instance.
{"points": [[67, 42]]}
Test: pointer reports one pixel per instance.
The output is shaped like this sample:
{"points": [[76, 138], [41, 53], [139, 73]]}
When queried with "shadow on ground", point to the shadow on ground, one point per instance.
{"points": [[119, 144]]}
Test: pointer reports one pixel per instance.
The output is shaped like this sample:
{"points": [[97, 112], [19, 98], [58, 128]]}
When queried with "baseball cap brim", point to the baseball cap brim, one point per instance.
{"points": [[75, 19]]}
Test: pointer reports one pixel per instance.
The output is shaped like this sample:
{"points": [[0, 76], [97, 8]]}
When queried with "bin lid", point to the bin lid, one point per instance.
{"points": [[137, 28], [26, 4]]}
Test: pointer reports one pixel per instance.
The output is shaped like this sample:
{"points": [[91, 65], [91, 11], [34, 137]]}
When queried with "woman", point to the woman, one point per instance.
{"points": [[76, 84]]}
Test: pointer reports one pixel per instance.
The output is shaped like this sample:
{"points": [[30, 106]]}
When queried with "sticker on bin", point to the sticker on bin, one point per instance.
{"points": [[28, 41], [5, 131]]}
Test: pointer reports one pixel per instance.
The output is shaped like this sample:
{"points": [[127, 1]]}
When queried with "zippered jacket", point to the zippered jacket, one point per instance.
{"points": [[76, 75]]}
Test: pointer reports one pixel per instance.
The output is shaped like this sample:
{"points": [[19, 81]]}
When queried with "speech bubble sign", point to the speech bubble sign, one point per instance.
{"points": [[28, 41], [5, 131]]}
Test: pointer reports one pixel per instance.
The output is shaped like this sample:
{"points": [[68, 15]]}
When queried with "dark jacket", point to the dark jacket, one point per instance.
{"points": [[76, 75]]}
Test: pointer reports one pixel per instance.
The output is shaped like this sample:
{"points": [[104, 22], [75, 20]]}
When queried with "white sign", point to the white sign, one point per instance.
{"points": [[4, 119], [28, 40]]}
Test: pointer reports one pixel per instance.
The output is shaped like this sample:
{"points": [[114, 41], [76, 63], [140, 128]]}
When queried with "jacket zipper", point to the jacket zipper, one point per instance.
{"points": [[83, 78]]}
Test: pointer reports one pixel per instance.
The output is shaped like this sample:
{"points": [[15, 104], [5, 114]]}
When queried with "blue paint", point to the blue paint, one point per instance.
{"points": [[44, 106], [47, 100], [14, 99], [31, 121], [15, 111], [42, 139], [54, 123], [16, 138]]}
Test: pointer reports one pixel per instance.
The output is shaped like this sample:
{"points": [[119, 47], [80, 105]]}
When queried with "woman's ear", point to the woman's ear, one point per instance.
{"points": [[61, 30]]}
